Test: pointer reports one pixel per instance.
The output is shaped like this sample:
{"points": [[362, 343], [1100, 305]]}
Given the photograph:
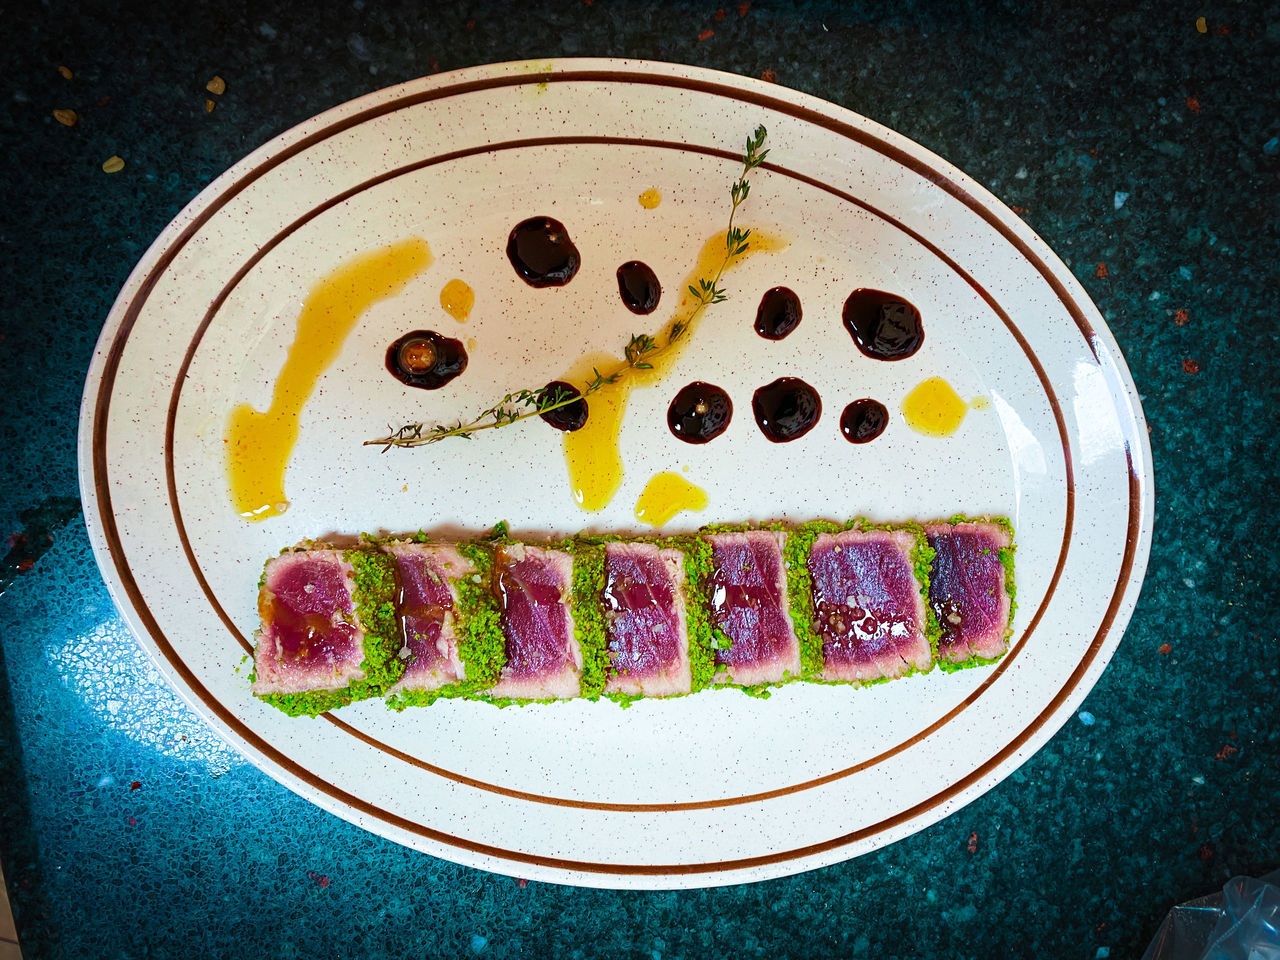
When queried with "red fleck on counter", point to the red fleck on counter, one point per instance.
{"points": [[973, 843], [1101, 271], [706, 34], [1193, 104], [1165, 649], [1190, 366], [1181, 318]]}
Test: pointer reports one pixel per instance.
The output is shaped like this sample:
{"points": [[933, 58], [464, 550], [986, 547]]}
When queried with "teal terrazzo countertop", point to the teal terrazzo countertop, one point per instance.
{"points": [[1142, 144]]}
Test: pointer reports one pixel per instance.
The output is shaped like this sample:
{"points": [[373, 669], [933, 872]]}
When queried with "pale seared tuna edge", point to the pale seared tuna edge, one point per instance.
{"points": [[972, 590], [470, 646], [754, 640], [543, 658], [328, 634], [868, 608]]}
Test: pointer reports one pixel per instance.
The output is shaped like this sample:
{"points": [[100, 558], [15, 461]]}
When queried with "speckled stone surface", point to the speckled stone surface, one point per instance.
{"points": [[1144, 149]]}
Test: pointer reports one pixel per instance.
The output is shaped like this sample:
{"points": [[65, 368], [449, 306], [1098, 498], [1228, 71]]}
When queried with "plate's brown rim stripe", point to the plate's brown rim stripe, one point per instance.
{"points": [[266, 248], [111, 364]]}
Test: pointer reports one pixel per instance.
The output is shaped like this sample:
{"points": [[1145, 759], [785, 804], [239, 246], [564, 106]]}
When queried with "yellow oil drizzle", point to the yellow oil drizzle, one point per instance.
{"points": [[934, 408], [457, 298], [650, 198], [980, 403], [665, 495], [592, 453], [259, 444]]}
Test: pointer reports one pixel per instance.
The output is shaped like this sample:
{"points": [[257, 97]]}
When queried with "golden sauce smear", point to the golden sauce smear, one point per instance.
{"points": [[592, 453], [457, 298], [259, 444], [665, 495], [934, 408], [650, 198]]}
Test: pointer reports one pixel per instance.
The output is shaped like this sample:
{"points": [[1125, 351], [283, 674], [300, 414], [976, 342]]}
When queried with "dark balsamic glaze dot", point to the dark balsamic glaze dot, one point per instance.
{"points": [[542, 253], [863, 421], [883, 325], [778, 313], [638, 285], [570, 417], [426, 359], [786, 409], [699, 413]]}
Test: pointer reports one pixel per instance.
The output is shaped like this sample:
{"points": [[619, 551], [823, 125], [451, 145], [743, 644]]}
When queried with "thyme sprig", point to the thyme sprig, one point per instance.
{"points": [[640, 352]]}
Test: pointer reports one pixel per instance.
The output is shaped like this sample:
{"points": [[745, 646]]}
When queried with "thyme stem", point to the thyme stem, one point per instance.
{"points": [[639, 354]]}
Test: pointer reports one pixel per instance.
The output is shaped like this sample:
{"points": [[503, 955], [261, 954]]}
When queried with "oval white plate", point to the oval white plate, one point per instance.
{"points": [[711, 789]]}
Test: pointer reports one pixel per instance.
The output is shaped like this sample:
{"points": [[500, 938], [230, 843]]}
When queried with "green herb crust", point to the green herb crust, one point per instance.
{"points": [[373, 591], [589, 627], [796, 552], [697, 575], [1006, 559], [482, 647]]}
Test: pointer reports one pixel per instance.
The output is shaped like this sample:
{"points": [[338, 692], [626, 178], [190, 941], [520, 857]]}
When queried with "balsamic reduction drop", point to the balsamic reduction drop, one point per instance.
{"points": [[778, 313], [426, 359], [883, 325], [786, 409], [638, 285], [863, 421], [699, 413], [542, 253], [570, 417]]}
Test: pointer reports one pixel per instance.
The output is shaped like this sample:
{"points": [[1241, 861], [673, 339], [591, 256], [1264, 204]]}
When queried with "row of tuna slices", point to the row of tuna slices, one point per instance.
{"points": [[511, 622]]}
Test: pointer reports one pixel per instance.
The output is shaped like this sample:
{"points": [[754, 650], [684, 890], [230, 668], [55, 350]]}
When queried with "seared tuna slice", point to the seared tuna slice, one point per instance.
{"points": [[647, 639], [427, 613], [970, 589], [748, 594], [543, 658], [867, 606], [324, 638]]}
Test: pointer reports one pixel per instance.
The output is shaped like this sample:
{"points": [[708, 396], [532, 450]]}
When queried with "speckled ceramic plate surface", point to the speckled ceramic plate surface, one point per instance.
{"points": [[710, 789]]}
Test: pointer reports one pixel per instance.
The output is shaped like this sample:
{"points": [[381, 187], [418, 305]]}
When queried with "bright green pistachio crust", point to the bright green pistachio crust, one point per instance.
{"points": [[483, 650]]}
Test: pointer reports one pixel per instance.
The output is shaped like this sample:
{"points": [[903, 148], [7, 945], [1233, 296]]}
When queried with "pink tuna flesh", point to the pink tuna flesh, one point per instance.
{"points": [[426, 609], [749, 605], [543, 658], [867, 605], [309, 639], [967, 589], [647, 638]]}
